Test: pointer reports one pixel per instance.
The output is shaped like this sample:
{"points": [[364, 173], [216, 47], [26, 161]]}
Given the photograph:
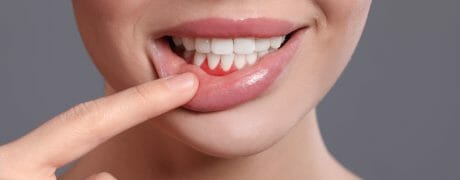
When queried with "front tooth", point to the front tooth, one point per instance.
{"points": [[244, 45], [251, 58], [276, 42], [240, 61], [262, 45], [189, 44], [227, 61], [199, 58], [222, 46], [203, 45], [213, 61], [177, 41]]}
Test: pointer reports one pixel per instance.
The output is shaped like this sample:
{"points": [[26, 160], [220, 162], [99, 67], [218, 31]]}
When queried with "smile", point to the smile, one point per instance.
{"points": [[219, 56], [234, 60]]}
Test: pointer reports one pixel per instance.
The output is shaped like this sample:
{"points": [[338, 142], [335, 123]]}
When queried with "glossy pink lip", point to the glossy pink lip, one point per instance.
{"points": [[229, 28], [217, 93]]}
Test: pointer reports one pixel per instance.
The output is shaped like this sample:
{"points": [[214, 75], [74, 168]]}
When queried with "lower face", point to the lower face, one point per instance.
{"points": [[262, 66]]}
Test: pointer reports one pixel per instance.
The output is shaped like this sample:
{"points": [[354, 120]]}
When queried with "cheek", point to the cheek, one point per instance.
{"points": [[344, 9], [107, 28], [345, 16], [322, 60], [342, 26], [109, 9]]}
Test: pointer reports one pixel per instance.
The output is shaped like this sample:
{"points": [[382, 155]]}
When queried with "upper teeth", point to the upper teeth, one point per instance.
{"points": [[229, 51]]}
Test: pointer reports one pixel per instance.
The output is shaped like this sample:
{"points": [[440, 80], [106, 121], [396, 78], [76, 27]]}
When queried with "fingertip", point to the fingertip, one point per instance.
{"points": [[186, 81]]}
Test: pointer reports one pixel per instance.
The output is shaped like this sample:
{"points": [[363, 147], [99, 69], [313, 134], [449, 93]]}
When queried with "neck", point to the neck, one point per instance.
{"points": [[146, 153]]}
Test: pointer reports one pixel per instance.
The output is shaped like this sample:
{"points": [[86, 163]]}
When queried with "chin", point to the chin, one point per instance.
{"points": [[242, 131], [256, 125]]}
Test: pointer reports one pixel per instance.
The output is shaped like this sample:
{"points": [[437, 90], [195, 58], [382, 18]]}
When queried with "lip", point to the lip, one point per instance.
{"points": [[230, 28], [217, 93]]}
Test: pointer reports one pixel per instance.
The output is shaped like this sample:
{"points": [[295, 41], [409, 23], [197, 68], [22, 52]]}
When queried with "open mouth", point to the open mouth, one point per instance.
{"points": [[222, 56], [234, 60]]}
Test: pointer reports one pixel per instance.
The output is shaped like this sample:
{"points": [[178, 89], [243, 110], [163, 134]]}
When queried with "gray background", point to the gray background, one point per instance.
{"points": [[394, 114]]}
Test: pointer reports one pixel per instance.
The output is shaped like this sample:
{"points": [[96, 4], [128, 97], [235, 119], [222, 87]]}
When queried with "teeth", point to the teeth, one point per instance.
{"points": [[213, 61], [199, 58], [251, 58], [177, 41], [227, 61], [227, 52], [262, 45], [189, 44], [240, 61], [222, 46], [276, 42], [244, 45], [203, 45]]}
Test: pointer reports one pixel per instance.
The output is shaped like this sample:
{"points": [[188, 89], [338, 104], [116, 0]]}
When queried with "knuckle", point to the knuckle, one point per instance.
{"points": [[83, 113], [141, 93], [82, 110], [83, 118]]}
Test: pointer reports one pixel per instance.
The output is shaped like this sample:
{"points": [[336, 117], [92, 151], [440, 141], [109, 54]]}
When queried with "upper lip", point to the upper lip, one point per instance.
{"points": [[231, 28]]}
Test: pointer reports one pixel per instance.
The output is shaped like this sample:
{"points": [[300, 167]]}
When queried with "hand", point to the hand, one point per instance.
{"points": [[77, 131]]}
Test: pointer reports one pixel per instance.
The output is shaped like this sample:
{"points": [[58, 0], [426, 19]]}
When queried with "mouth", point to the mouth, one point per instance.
{"points": [[235, 60]]}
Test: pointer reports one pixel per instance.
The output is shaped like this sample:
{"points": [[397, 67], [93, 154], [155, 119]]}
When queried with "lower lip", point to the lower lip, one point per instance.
{"points": [[218, 93]]}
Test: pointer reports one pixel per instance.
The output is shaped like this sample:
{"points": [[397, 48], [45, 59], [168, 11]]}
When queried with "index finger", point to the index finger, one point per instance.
{"points": [[80, 129]]}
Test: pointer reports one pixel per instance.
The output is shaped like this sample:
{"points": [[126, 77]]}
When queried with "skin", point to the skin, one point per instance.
{"points": [[138, 132]]}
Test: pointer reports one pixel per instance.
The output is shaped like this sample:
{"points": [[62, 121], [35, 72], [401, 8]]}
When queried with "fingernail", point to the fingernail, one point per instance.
{"points": [[181, 82]]}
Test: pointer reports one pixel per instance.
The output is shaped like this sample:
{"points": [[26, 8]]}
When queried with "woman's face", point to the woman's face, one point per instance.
{"points": [[252, 91]]}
